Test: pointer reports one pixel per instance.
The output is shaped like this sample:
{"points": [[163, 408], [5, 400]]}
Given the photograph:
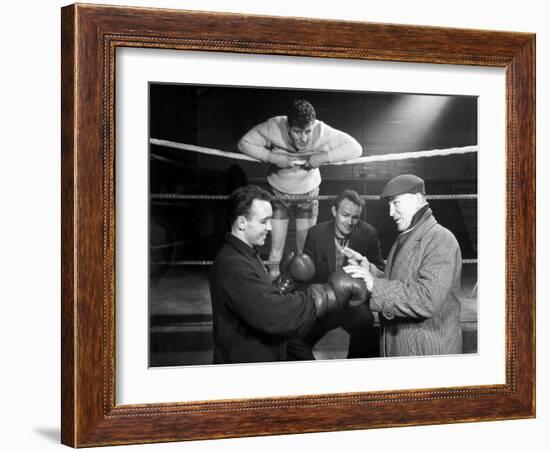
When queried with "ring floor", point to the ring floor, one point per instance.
{"points": [[181, 319]]}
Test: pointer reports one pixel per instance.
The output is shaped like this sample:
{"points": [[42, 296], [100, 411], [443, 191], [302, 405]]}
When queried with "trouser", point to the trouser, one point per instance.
{"points": [[357, 322]]}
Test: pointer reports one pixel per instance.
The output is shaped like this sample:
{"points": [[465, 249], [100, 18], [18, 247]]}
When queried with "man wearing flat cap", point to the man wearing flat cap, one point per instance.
{"points": [[417, 294]]}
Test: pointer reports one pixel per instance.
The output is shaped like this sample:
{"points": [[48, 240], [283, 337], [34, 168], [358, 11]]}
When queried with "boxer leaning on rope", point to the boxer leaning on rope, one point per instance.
{"points": [[417, 294], [295, 146], [253, 317]]}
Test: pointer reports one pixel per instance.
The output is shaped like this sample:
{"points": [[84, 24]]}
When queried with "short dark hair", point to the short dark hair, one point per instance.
{"points": [[351, 195], [240, 201], [300, 113]]}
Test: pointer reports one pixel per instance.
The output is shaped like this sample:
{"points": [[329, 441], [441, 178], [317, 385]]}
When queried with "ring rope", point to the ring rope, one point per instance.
{"points": [[272, 262], [368, 159], [291, 197]]}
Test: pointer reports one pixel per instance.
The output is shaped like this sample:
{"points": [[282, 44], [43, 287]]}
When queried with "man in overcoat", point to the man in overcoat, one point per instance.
{"points": [[417, 294], [325, 243]]}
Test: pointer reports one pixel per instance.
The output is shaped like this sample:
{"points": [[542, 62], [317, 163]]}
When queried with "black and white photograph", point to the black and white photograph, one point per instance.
{"points": [[147, 309], [300, 224]]}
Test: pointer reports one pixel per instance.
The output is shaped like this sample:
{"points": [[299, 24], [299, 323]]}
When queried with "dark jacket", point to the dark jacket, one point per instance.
{"points": [[251, 320], [358, 321], [320, 247]]}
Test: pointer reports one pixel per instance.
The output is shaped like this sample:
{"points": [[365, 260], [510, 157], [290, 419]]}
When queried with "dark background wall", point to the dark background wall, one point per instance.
{"points": [[216, 117]]}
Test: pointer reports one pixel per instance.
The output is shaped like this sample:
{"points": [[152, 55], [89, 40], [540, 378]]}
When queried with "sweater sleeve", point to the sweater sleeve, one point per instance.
{"points": [[255, 142], [340, 145]]}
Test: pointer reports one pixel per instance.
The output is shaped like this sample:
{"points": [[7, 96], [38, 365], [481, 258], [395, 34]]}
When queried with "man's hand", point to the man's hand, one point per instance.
{"points": [[316, 160], [279, 159], [355, 258], [360, 272]]}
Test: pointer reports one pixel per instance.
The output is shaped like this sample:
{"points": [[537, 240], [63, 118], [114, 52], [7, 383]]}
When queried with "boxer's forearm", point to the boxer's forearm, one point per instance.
{"points": [[254, 150]]}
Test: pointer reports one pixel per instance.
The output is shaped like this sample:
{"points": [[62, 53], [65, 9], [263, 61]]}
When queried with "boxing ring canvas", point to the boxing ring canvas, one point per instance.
{"points": [[154, 103]]}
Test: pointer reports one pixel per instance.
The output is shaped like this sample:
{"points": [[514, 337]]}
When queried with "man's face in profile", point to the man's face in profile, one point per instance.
{"points": [[258, 222], [402, 209]]}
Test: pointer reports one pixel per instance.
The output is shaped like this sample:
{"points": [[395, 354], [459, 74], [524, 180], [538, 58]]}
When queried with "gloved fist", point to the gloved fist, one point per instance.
{"points": [[348, 291], [341, 291], [323, 297], [294, 269], [284, 264], [302, 268]]}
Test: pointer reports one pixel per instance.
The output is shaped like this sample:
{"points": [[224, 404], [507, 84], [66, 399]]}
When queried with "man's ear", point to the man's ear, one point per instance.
{"points": [[333, 210], [241, 223]]}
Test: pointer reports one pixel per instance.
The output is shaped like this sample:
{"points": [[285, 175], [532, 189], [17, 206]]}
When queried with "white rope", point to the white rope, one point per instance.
{"points": [[272, 262], [202, 150], [300, 197], [368, 159], [411, 155]]}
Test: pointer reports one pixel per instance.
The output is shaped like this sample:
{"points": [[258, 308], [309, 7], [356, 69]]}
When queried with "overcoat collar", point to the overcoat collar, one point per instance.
{"points": [[424, 225]]}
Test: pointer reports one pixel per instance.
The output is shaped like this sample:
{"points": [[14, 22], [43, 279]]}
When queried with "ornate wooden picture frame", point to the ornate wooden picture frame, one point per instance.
{"points": [[90, 38]]}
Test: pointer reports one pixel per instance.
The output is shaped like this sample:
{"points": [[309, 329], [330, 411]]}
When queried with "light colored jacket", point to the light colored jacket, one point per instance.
{"points": [[417, 299]]}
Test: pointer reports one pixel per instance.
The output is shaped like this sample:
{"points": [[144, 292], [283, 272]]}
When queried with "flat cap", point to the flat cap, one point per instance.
{"points": [[404, 183]]}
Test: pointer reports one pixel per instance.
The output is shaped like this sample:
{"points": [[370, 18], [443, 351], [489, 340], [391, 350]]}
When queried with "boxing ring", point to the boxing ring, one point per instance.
{"points": [[361, 160], [174, 324]]}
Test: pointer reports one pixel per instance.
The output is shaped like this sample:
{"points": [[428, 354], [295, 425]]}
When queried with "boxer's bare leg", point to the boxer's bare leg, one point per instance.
{"points": [[278, 239], [302, 226]]}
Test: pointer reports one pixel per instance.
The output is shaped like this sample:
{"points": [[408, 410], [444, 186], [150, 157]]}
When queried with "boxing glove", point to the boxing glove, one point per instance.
{"points": [[348, 291], [284, 264], [302, 268], [323, 297], [294, 269], [341, 291]]}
